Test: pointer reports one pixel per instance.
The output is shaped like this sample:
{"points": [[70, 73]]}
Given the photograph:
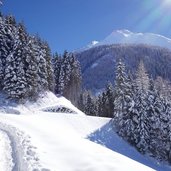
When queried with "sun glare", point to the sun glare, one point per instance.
{"points": [[157, 15], [166, 4]]}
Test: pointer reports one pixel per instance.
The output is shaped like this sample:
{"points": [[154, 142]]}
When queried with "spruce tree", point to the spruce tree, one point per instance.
{"points": [[57, 63], [90, 105], [121, 87], [142, 130], [109, 101]]}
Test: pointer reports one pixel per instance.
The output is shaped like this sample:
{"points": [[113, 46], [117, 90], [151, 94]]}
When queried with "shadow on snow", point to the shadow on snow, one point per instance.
{"points": [[107, 137]]}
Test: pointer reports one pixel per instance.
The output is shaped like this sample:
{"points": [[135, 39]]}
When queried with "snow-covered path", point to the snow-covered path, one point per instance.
{"points": [[61, 144], [16, 151], [6, 160], [48, 141]]}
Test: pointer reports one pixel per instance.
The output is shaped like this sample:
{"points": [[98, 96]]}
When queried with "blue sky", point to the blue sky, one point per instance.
{"points": [[71, 24]]}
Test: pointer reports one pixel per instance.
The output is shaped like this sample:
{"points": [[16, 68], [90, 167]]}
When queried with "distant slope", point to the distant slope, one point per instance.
{"points": [[98, 63]]}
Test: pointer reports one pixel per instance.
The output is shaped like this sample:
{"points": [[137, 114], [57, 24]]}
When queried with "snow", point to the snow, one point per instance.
{"points": [[127, 37], [66, 142], [6, 162]]}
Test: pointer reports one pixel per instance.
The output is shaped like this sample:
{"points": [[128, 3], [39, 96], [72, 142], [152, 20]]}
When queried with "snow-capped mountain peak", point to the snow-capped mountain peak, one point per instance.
{"points": [[127, 37], [93, 43], [124, 32]]}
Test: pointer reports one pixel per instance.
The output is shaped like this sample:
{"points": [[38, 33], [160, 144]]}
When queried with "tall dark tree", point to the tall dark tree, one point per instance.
{"points": [[57, 63], [50, 75], [109, 100], [90, 107]]}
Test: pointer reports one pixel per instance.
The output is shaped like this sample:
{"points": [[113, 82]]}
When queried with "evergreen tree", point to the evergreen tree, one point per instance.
{"points": [[121, 87], [30, 62], [142, 83], [15, 66], [81, 102], [109, 100], [25, 67], [50, 76], [64, 74], [100, 105], [73, 85], [129, 117], [42, 72], [90, 105], [8, 35], [57, 63]]}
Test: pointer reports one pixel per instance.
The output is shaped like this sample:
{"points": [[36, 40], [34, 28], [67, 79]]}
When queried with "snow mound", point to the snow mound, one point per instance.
{"points": [[48, 101]]}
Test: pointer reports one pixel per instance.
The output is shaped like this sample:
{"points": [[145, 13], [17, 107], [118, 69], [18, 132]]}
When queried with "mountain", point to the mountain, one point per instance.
{"points": [[98, 63], [128, 37], [39, 140]]}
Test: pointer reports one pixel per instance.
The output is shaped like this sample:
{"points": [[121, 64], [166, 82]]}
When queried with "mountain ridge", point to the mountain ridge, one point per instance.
{"points": [[98, 63], [125, 36]]}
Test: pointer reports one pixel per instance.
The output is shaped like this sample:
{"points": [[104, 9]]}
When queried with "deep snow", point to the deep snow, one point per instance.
{"points": [[68, 142], [6, 161]]}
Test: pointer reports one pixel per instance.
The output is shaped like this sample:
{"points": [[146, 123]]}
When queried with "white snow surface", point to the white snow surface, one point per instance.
{"points": [[6, 162], [127, 37], [47, 141]]}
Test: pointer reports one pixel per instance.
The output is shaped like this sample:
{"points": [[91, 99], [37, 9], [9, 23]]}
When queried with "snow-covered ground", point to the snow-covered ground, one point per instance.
{"points": [[6, 162], [49, 141]]}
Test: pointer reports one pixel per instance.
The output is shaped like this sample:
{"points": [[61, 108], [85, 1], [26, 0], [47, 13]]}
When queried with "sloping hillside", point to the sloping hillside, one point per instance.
{"points": [[98, 63], [67, 142]]}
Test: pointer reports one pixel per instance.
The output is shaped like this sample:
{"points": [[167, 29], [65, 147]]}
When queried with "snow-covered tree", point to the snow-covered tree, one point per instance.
{"points": [[56, 63], [142, 130], [64, 73], [15, 66], [8, 33], [121, 89], [109, 100], [25, 63], [73, 87], [90, 107], [50, 75]]}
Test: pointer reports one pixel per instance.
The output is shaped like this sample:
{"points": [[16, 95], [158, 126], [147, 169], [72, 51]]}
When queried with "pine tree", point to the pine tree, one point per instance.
{"points": [[42, 73], [81, 102], [100, 105], [90, 105], [109, 100], [30, 62], [129, 118], [74, 84], [7, 37], [64, 74], [57, 63], [121, 87], [50, 76], [15, 66], [142, 83]]}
